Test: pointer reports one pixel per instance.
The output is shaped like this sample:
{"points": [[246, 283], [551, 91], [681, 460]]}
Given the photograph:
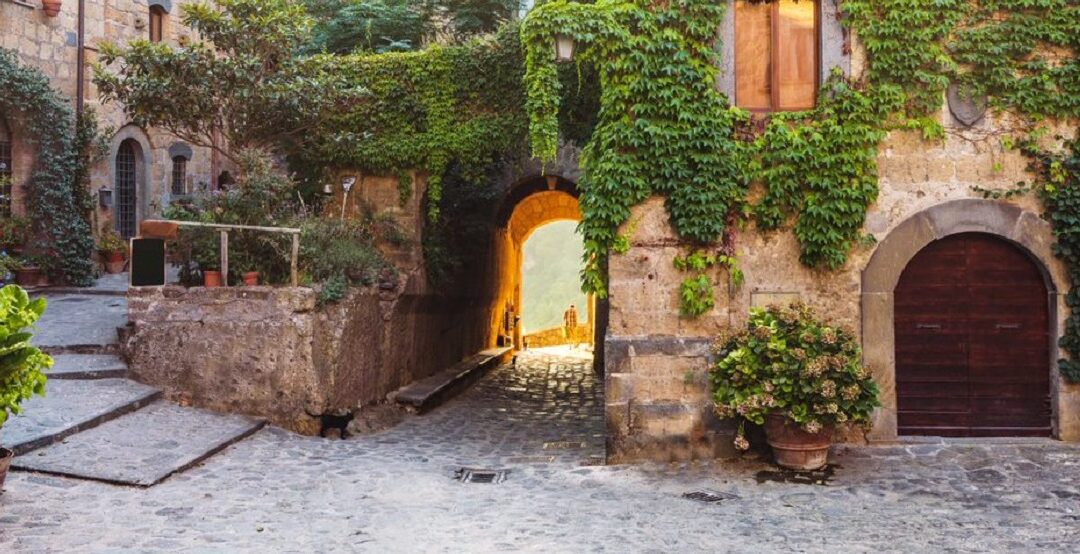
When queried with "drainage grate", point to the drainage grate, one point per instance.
{"points": [[563, 445], [489, 476], [709, 497]]}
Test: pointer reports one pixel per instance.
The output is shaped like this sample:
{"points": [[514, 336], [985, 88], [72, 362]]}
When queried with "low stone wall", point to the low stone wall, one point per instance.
{"points": [[557, 336], [271, 352]]}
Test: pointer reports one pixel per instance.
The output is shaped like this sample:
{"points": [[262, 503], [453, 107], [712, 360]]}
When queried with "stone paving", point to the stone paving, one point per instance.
{"points": [[395, 491], [73, 321]]}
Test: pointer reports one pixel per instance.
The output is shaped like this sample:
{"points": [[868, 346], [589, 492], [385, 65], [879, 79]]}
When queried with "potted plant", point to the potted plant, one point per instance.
{"points": [[797, 376], [30, 271], [13, 233], [21, 365], [113, 249]]}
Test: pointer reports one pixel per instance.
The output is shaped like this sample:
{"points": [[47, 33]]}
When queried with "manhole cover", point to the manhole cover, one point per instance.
{"points": [[709, 497], [563, 445], [531, 460], [490, 476]]}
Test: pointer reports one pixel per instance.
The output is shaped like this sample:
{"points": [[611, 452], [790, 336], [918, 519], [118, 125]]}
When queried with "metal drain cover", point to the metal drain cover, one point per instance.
{"points": [[709, 497], [489, 476]]}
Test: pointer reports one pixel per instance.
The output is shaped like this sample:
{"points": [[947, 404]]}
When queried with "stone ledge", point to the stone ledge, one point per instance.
{"points": [[433, 391]]}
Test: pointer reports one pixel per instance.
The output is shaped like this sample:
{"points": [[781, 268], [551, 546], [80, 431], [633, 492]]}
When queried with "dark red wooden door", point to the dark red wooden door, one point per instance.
{"points": [[972, 341]]}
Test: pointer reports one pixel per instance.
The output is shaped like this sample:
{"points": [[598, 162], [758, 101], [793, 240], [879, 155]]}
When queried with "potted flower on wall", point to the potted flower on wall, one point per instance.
{"points": [[52, 7], [21, 364], [13, 234], [796, 375], [113, 250]]}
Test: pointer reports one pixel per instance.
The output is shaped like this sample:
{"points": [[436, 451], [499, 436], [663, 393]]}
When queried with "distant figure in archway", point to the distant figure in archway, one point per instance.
{"points": [[570, 322]]}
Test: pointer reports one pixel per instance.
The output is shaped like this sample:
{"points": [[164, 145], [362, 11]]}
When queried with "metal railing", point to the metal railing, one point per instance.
{"points": [[224, 230]]}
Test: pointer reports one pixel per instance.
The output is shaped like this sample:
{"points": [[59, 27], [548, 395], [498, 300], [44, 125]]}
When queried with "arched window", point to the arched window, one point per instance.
{"points": [[776, 55], [157, 23], [5, 168], [179, 175]]}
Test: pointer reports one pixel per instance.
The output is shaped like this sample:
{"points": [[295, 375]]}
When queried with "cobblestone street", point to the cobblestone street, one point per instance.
{"points": [[395, 491]]}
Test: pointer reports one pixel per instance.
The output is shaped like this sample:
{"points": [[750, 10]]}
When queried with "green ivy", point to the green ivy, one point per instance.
{"points": [[1059, 189], [696, 294], [55, 203], [663, 128], [822, 166]]}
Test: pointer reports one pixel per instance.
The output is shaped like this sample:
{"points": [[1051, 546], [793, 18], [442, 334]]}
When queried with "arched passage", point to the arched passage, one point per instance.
{"points": [[1010, 223], [529, 205]]}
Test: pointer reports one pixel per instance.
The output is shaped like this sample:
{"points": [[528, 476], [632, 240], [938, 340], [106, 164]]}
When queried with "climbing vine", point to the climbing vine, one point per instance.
{"points": [[1059, 189], [662, 128], [55, 205], [822, 166]]}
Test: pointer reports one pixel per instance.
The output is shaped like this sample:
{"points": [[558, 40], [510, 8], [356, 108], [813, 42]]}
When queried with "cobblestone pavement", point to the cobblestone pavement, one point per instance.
{"points": [[395, 492]]}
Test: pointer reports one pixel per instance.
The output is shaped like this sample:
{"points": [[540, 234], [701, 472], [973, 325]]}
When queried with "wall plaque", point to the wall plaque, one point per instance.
{"points": [[965, 106]]}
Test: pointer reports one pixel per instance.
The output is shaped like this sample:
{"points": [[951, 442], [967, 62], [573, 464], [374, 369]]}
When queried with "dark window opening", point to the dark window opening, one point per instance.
{"points": [[126, 179], [179, 175], [5, 169], [777, 56]]}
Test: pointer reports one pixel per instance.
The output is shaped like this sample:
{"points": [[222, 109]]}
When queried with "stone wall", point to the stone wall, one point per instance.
{"points": [[272, 352], [657, 392], [557, 337]]}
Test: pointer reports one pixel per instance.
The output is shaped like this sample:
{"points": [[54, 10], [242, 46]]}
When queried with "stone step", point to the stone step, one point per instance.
{"points": [[425, 394], [84, 324], [142, 448], [71, 406], [88, 366]]}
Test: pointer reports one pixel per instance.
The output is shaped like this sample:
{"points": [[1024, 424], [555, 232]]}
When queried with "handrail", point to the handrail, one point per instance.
{"points": [[225, 228]]}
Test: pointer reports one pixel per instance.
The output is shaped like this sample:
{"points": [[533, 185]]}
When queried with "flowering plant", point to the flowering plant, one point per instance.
{"points": [[789, 362]]}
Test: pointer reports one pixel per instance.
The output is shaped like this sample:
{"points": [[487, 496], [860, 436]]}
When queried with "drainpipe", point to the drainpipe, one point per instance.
{"points": [[80, 64]]}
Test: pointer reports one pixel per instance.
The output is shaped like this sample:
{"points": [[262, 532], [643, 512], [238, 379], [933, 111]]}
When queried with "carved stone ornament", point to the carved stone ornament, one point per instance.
{"points": [[965, 107]]}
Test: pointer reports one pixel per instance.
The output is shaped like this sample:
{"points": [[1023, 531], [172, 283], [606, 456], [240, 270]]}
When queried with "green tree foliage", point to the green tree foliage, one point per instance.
{"points": [[55, 200], [364, 26], [243, 80], [22, 365]]}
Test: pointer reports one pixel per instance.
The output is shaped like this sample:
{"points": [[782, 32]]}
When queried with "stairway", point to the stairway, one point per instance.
{"points": [[96, 423]]}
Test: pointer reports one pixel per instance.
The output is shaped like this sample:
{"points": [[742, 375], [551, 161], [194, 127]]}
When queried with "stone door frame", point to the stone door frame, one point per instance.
{"points": [[1009, 222]]}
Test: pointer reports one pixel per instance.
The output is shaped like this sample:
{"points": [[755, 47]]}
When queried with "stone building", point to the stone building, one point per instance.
{"points": [[144, 168], [940, 247]]}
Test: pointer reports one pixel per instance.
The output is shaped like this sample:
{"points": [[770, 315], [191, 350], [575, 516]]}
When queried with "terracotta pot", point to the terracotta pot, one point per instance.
{"points": [[32, 276], [211, 279], [251, 279], [51, 7], [5, 462], [113, 257], [793, 447], [115, 267]]}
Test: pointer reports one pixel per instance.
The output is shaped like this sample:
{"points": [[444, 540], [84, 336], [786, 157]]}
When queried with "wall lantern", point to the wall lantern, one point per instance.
{"points": [[564, 48], [105, 195], [328, 189], [347, 183]]}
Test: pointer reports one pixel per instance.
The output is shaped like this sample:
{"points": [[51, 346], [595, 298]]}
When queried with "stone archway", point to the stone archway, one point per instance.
{"points": [[132, 141], [879, 280]]}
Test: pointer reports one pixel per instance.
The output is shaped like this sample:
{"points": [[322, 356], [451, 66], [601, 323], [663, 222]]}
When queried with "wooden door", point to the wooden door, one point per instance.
{"points": [[972, 341]]}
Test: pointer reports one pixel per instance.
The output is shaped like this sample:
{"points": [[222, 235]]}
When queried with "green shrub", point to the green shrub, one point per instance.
{"points": [[21, 365], [787, 361], [345, 250]]}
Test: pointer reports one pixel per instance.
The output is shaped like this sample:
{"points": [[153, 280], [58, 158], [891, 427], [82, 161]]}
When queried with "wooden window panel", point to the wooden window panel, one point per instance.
{"points": [[179, 175], [157, 24], [777, 55]]}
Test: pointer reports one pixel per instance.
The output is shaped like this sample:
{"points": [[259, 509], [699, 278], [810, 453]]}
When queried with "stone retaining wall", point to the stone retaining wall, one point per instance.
{"points": [[271, 352]]}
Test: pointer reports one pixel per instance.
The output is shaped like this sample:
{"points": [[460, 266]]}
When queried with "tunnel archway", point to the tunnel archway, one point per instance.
{"points": [[529, 204]]}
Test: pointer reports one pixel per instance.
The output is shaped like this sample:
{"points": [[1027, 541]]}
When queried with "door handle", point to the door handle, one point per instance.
{"points": [[927, 326]]}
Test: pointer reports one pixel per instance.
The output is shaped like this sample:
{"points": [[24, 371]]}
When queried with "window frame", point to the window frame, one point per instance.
{"points": [[157, 13], [774, 68], [7, 154], [179, 161]]}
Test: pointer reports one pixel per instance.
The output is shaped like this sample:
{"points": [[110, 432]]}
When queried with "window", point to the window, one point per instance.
{"points": [[157, 23], [5, 168], [179, 175], [776, 55]]}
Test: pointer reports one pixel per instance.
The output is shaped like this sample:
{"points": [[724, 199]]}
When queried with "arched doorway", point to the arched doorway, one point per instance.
{"points": [[554, 309], [972, 328], [127, 179]]}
